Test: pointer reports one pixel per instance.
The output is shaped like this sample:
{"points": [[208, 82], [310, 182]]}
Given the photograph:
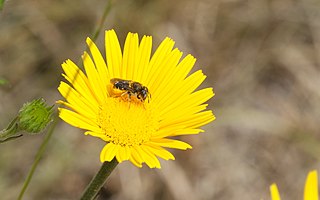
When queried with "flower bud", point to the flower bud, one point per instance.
{"points": [[34, 116]]}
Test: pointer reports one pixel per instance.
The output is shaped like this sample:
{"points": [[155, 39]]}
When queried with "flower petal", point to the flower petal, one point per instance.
{"points": [[194, 99], [144, 53], [190, 121], [135, 157], [157, 59], [102, 136], [164, 72], [170, 143], [159, 151], [78, 79], [274, 192], [108, 152], [99, 90], [148, 159], [76, 101], [113, 54], [130, 55], [99, 62], [123, 154], [311, 186], [77, 120], [151, 157]]}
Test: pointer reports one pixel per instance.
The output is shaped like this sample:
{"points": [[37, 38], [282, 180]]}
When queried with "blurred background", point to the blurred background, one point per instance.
{"points": [[261, 57]]}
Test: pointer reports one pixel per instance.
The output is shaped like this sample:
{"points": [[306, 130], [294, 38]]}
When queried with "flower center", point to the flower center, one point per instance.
{"points": [[127, 123]]}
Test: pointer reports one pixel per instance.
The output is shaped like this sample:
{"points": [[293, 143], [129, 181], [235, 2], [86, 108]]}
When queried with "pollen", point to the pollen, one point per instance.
{"points": [[127, 123]]}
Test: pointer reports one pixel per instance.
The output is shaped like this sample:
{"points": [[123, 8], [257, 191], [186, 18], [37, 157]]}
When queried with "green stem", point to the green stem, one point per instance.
{"points": [[11, 132], [98, 181], [39, 154], [102, 20], [97, 31]]}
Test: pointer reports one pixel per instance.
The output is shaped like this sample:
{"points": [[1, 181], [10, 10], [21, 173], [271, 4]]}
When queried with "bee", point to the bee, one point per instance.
{"points": [[131, 88]]}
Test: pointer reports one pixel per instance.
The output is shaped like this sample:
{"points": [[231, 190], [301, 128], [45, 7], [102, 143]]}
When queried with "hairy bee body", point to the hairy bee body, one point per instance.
{"points": [[131, 88]]}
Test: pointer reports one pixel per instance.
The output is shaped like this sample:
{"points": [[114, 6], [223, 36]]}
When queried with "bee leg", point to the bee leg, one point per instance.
{"points": [[149, 97], [126, 93], [139, 97], [129, 100], [129, 96]]}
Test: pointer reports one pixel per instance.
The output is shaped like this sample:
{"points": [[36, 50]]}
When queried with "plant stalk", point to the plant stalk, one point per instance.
{"points": [[99, 180]]}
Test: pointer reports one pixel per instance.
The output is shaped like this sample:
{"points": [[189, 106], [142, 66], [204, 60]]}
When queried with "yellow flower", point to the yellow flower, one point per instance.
{"points": [[310, 188], [135, 126]]}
